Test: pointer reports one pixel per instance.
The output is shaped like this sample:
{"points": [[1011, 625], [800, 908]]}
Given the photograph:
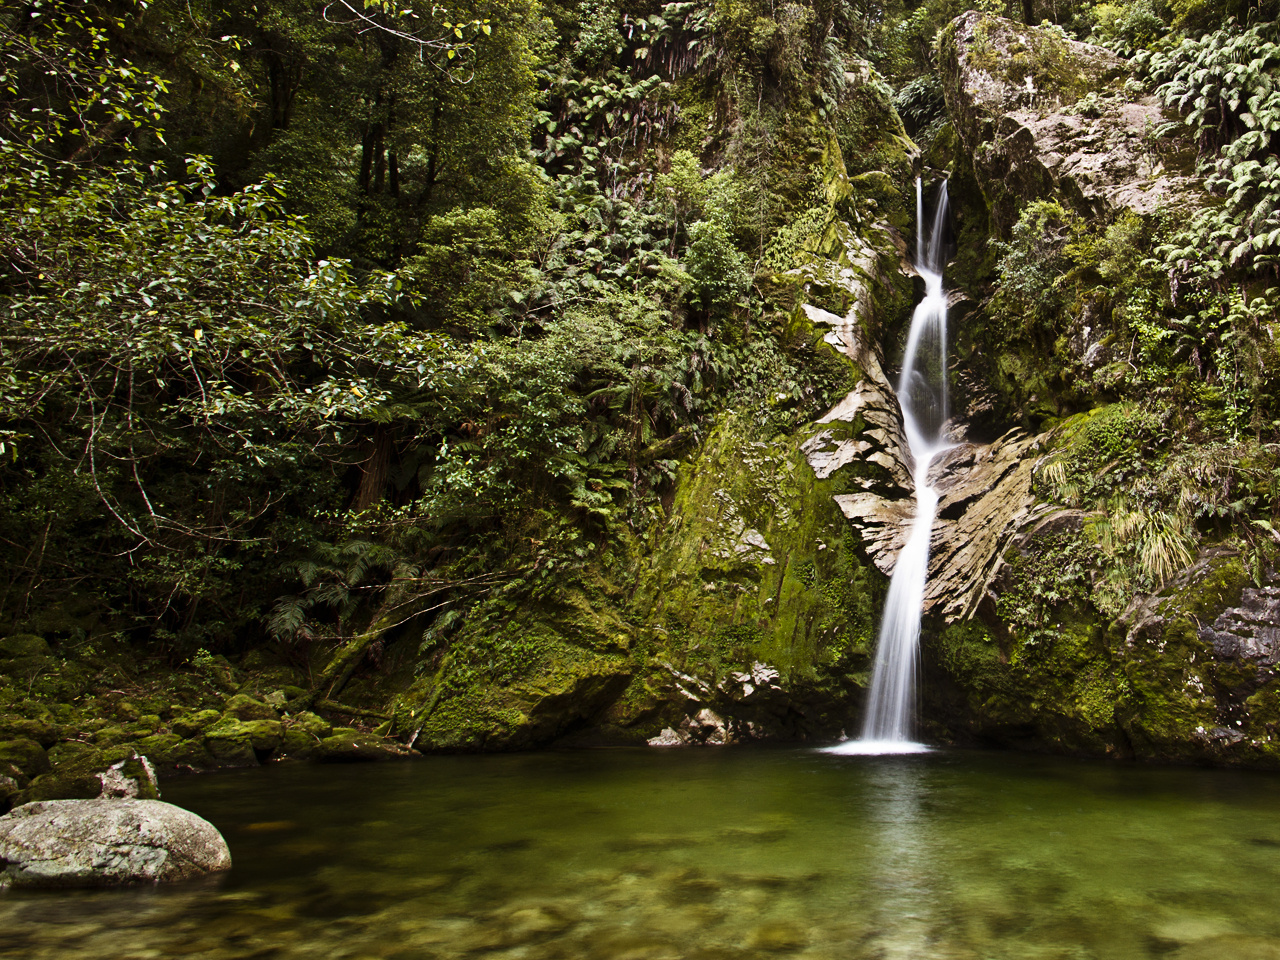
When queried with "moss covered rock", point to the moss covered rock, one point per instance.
{"points": [[567, 687], [19, 645], [242, 707], [170, 752], [303, 733], [243, 742], [346, 745], [43, 732], [1188, 674], [756, 565], [76, 772], [24, 757], [191, 724]]}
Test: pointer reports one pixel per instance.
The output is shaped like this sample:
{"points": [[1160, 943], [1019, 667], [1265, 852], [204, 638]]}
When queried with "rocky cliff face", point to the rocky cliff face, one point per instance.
{"points": [[757, 600], [1186, 674], [1044, 116], [1058, 650]]}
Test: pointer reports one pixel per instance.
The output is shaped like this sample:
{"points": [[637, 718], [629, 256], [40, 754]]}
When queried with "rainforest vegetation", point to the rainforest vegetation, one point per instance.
{"points": [[365, 339]]}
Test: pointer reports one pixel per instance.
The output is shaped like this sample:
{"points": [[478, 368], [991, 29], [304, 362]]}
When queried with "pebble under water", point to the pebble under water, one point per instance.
{"points": [[715, 853]]}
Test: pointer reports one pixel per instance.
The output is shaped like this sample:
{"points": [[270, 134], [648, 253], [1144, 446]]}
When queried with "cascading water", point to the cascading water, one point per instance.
{"points": [[922, 394]]}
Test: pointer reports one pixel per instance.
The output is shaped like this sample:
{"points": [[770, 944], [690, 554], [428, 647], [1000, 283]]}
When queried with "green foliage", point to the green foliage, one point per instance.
{"points": [[339, 581], [1098, 449], [1159, 543], [1225, 86], [67, 94], [1054, 573], [1126, 27], [200, 310], [599, 38], [1223, 264], [1032, 264], [186, 327], [1105, 464], [218, 405], [718, 270], [784, 40], [1195, 17], [920, 103], [690, 195], [1150, 501]]}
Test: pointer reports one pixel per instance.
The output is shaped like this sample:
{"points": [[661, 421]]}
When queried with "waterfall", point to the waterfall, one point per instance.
{"points": [[922, 394]]}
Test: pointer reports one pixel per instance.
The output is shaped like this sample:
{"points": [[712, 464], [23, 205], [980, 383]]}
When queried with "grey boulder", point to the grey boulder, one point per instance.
{"points": [[106, 842]]}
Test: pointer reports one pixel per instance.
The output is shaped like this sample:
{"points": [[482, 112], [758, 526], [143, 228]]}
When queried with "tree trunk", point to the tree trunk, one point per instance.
{"points": [[373, 479], [344, 661]]}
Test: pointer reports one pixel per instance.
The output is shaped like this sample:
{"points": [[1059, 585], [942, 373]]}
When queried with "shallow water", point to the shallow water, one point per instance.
{"points": [[715, 853]]}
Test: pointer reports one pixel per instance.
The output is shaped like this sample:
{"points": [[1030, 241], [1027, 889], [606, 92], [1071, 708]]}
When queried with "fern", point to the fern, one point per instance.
{"points": [[1159, 543]]}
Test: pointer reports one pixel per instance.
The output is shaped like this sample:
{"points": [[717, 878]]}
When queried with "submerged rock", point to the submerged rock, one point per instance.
{"points": [[1230, 947], [778, 937], [85, 843]]}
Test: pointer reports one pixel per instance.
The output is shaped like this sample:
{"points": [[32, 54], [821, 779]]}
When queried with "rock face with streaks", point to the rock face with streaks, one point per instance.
{"points": [[1045, 116], [92, 843]]}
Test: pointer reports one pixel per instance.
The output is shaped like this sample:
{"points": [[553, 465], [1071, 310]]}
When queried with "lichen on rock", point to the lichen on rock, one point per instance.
{"points": [[80, 843]]}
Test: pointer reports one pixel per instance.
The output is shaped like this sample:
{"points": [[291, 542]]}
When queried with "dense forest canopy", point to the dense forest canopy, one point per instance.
{"points": [[327, 324]]}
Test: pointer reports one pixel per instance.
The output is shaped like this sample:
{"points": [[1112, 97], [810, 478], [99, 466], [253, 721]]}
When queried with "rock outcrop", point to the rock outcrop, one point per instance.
{"points": [[1188, 674], [567, 685], [1044, 116], [1248, 631], [87, 843], [985, 489], [1204, 654]]}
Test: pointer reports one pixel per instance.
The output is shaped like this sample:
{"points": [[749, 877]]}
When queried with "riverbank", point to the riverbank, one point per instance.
{"points": [[70, 711]]}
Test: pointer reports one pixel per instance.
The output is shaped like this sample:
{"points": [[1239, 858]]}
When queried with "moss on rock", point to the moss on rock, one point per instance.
{"points": [[756, 564], [1179, 677], [23, 758], [560, 685]]}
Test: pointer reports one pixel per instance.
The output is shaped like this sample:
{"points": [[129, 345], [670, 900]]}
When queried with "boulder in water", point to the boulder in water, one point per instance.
{"points": [[705, 728], [93, 843]]}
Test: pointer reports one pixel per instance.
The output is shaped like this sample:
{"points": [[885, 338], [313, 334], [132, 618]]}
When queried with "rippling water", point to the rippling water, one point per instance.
{"points": [[716, 854]]}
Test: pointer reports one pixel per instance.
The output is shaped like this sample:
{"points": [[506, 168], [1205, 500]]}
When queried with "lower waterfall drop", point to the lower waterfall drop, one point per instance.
{"points": [[922, 394]]}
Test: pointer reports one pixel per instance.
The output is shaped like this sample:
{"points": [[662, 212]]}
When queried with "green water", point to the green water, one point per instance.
{"points": [[716, 854]]}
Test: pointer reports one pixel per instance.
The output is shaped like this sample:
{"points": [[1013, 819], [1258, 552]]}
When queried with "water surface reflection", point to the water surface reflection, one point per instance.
{"points": [[704, 855]]}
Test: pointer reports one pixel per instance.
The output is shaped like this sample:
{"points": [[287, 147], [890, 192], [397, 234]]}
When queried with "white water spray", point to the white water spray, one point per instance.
{"points": [[922, 394]]}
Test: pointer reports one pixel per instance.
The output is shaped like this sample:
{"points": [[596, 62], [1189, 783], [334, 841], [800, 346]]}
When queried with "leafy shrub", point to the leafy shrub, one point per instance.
{"points": [[718, 269]]}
